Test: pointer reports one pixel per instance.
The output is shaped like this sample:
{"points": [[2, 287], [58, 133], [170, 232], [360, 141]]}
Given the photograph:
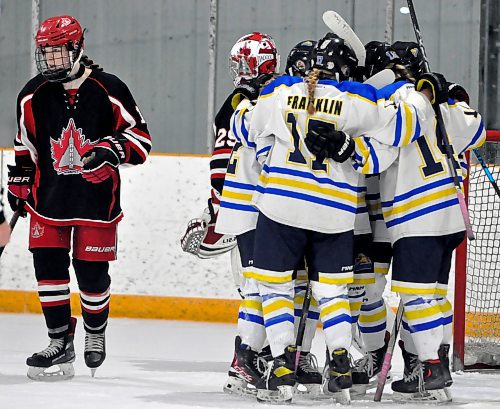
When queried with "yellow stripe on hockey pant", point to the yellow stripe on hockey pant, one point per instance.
{"points": [[340, 280], [268, 278], [441, 291], [381, 270], [254, 305], [339, 305], [373, 318], [277, 305], [419, 202], [238, 196], [422, 313], [364, 280], [299, 299], [444, 307], [308, 187], [355, 306], [412, 290]]}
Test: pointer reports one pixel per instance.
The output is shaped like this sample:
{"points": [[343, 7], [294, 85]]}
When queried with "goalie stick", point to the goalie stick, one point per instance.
{"points": [[441, 131], [338, 26]]}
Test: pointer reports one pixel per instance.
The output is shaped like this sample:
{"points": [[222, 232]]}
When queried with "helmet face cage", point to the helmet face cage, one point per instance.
{"points": [[378, 56], [251, 56], [298, 63], [59, 43], [55, 63], [411, 56], [335, 58]]}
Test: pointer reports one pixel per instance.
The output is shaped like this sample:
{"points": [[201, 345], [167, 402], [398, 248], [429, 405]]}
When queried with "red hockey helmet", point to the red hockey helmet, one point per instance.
{"points": [[59, 42], [252, 55]]}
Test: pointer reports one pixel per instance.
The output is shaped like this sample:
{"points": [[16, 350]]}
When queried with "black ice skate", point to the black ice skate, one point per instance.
{"points": [[60, 353], [365, 371], [95, 351], [424, 384], [276, 386], [338, 377], [444, 356], [410, 360], [245, 371], [309, 378]]}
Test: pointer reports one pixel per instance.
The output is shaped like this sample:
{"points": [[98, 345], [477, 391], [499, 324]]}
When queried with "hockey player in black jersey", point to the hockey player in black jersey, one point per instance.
{"points": [[76, 126]]}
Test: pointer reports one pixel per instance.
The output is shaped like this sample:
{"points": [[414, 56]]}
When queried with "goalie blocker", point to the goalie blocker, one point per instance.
{"points": [[200, 238]]}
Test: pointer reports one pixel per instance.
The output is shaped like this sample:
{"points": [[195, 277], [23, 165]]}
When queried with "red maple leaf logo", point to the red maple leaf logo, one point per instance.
{"points": [[67, 151]]}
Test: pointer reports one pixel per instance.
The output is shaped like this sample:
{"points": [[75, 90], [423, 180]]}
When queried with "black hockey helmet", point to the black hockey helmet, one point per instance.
{"points": [[378, 56], [298, 62], [411, 56], [335, 57]]}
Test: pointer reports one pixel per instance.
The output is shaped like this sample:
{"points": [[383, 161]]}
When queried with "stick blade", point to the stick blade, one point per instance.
{"points": [[381, 79], [338, 25]]}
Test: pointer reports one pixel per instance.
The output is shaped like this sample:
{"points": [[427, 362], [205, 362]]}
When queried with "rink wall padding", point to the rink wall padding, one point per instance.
{"points": [[135, 306], [152, 277]]}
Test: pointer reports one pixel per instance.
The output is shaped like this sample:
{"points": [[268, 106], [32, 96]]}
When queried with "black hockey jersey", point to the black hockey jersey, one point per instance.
{"points": [[223, 146], [57, 124]]}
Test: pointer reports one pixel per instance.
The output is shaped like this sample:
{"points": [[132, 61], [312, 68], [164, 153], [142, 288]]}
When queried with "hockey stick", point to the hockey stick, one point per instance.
{"points": [[487, 171], [441, 131], [386, 365], [302, 323], [339, 26], [12, 224]]}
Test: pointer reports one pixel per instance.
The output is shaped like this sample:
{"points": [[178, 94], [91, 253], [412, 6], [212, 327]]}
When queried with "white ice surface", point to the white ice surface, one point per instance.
{"points": [[166, 364]]}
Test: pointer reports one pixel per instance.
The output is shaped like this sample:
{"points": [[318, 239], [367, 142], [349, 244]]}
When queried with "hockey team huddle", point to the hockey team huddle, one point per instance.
{"points": [[322, 177], [325, 181]]}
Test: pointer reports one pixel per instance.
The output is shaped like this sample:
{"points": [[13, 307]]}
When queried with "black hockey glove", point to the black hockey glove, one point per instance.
{"points": [[20, 179], [249, 89], [326, 142], [458, 93], [437, 85], [88, 62], [102, 161]]}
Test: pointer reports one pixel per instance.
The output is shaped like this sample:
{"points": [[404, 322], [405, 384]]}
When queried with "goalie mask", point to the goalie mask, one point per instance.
{"points": [[335, 58], [411, 56], [253, 55], [378, 56], [298, 62], [59, 46]]}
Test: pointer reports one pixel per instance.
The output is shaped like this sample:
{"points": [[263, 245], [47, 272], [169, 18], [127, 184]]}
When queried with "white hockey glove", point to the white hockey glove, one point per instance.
{"points": [[201, 239]]}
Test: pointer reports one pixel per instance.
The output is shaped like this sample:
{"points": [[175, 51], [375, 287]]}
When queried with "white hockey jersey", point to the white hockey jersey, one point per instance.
{"points": [[237, 215], [416, 188], [295, 188]]}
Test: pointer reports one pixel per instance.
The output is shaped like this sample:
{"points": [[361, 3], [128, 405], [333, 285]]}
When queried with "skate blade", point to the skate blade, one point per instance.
{"points": [[92, 372], [308, 390], [284, 394], [342, 397], [239, 387], [437, 396], [359, 390], [63, 372]]}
